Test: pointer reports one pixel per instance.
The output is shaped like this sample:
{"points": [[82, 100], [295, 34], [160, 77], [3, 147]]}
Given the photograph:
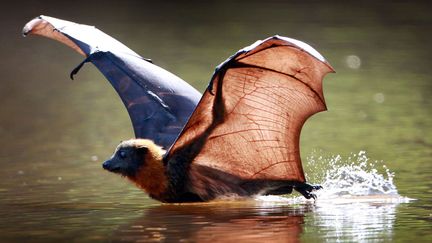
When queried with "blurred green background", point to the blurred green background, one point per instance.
{"points": [[56, 132]]}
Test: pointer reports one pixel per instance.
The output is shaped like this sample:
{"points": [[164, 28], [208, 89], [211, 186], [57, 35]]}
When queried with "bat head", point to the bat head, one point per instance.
{"points": [[140, 160], [132, 155]]}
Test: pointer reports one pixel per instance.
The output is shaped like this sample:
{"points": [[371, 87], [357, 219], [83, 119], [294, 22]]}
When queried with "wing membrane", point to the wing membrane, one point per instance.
{"points": [[248, 122], [159, 103]]}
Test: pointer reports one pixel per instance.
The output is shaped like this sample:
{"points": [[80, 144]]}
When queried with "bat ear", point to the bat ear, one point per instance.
{"points": [[142, 150]]}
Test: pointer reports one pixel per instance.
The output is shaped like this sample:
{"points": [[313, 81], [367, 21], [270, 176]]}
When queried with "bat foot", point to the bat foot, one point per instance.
{"points": [[306, 190]]}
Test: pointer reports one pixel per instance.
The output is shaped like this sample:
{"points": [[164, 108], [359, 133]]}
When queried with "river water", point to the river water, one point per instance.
{"points": [[371, 150]]}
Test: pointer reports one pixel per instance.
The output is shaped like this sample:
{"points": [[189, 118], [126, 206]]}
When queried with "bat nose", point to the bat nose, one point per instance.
{"points": [[106, 165]]}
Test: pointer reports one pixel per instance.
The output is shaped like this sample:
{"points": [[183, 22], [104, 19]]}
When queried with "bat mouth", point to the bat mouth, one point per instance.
{"points": [[107, 165], [115, 170]]}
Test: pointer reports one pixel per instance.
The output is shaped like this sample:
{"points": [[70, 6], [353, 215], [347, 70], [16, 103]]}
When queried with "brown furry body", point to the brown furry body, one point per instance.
{"points": [[175, 180], [178, 181]]}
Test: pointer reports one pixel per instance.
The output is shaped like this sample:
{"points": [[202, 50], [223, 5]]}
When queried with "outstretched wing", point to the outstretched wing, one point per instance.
{"points": [[248, 122], [159, 103]]}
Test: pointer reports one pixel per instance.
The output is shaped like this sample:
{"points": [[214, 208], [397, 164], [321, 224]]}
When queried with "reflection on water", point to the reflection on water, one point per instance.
{"points": [[356, 221], [216, 222], [251, 221]]}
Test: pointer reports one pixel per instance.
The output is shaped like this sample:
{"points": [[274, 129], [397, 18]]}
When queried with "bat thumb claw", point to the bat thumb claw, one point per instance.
{"points": [[77, 68]]}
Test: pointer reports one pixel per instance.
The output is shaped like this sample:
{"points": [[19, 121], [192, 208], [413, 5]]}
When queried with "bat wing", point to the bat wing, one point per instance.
{"points": [[247, 124], [159, 103]]}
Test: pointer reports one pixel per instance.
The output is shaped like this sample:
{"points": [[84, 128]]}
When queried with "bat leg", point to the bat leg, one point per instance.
{"points": [[306, 190], [280, 191]]}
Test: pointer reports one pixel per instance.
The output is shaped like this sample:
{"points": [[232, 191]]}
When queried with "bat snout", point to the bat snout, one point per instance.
{"points": [[111, 166], [106, 165]]}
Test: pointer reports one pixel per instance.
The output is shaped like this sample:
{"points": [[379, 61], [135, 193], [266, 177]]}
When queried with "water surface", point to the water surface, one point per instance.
{"points": [[56, 132]]}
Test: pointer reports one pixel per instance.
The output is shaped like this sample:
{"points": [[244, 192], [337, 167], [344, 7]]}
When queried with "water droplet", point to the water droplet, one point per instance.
{"points": [[353, 61], [379, 98]]}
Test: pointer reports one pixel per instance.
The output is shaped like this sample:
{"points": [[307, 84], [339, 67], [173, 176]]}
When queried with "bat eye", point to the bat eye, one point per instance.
{"points": [[122, 154]]}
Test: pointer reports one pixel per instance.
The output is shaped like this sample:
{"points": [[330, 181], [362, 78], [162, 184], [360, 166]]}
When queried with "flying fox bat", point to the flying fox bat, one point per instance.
{"points": [[240, 138]]}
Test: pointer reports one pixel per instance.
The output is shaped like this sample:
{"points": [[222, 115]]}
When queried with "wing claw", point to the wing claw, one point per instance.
{"points": [[77, 68]]}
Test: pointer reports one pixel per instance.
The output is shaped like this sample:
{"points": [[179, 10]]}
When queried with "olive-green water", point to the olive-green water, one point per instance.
{"points": [[55, 133]]}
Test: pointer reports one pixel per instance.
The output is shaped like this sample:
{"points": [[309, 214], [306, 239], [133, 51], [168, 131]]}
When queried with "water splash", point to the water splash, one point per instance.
{"points": [[357, 203], [354, 176], [346, 180]]}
